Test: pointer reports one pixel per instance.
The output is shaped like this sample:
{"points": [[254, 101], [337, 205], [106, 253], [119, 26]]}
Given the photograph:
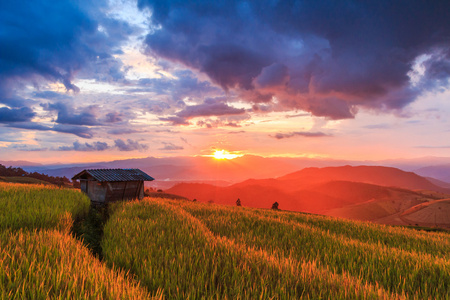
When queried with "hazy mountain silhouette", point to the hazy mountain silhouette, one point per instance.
{"points": [[441, 172], [363, 192]]}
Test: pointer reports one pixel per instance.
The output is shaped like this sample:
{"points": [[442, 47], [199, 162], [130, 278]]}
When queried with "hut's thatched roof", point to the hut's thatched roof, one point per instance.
{"points": [[103, 175]]}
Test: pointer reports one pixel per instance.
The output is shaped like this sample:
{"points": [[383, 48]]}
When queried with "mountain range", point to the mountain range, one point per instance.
{"points": [[372, 193], [169, 171]]}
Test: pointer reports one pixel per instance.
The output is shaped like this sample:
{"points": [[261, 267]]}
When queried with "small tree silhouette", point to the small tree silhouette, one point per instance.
{"points": [[275, 205], [238, 202]]}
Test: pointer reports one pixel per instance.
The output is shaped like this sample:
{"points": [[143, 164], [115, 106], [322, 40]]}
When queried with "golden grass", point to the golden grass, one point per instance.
{"points": [[166, 247], [30, 206], [53, 265]]}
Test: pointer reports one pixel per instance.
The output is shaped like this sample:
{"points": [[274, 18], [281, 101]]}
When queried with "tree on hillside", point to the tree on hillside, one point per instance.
{"points": [[10, 171], [275, 206], [238, 202]]}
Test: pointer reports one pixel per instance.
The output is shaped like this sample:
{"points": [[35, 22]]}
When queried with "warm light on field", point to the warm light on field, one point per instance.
{"points": [[224, 154]]}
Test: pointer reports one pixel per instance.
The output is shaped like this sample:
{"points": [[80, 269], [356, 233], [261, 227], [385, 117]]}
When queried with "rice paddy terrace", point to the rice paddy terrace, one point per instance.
{"points": [[175, 249]]}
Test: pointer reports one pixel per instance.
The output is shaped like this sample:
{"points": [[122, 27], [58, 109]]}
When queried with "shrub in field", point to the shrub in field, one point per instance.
{"points": [[53, 265], [40, 207]]}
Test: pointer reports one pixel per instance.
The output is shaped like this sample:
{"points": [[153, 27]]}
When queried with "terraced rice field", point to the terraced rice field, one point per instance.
{"points": [[175, 249], [194, 250]]}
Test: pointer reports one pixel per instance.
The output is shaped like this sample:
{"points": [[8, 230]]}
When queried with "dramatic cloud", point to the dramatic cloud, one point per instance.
{"points": [[67, 114], [81, 131], [185, 84], [210, 107], [129, 145], [175, 120], [280, 136], [51, 95], [45, 41], [113, 117], [77, 146], [8, 115], [327, 57]]}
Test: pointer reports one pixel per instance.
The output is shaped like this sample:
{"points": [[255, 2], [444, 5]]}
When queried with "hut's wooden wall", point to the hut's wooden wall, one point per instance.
{"points": [[96, 191], [124, 190], [112, 191], [83, 185]]}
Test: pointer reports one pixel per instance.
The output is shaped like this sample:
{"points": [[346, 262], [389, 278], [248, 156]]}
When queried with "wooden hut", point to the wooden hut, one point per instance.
{"points": [[107, 185]]}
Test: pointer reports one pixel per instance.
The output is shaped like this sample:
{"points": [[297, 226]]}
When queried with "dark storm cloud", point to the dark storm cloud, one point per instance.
{"points": [[15, 101], [324, 57], [50, 95], [23, 114], [52, 40], [43, 38], [280, 136], [129, 145], [81, 131], [68, 115]]}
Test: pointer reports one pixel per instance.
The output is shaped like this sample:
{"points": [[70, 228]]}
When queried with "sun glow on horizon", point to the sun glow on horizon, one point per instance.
{"points": [[224, 154]]}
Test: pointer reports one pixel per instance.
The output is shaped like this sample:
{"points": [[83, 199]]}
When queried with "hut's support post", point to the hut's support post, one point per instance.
{"points": [[138, 189], [124, 189]]}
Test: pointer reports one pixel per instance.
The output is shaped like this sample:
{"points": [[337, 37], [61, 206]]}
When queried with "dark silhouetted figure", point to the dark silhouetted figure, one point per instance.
{"points": [[238, 202], [195, 200], [275, 205]]}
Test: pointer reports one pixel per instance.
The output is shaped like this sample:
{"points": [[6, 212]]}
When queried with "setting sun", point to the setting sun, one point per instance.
{"points": [[224, 154]]}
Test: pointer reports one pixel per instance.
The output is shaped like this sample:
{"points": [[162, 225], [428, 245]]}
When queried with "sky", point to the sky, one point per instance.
{"points": [[85, 81]]}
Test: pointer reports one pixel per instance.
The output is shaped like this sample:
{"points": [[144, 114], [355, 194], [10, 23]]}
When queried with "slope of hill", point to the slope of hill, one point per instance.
{"points": [[200, 251], [22, 179], [316, 190], [439, 182], [435, 213], [385, 176], [243, 253], [441, 172]]}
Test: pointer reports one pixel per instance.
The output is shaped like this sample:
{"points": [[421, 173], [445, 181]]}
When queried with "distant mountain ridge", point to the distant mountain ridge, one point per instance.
{"points": [[361, 192], [378, 175], [440, 172], [170, 170]]}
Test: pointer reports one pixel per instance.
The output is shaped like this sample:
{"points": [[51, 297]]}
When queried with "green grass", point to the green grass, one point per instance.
{"points": [[166, 247], [40, 207], [173, 249], [433, 243], [412, 272], [49, 264], [40, 259]]}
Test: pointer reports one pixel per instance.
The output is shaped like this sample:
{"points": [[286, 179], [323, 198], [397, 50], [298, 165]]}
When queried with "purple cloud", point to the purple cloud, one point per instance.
{"points": [[68, 115], [23, 114], [81, 131], [129, 145], [77, 146], [170, 147], [327, 57], [280, 136]]}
